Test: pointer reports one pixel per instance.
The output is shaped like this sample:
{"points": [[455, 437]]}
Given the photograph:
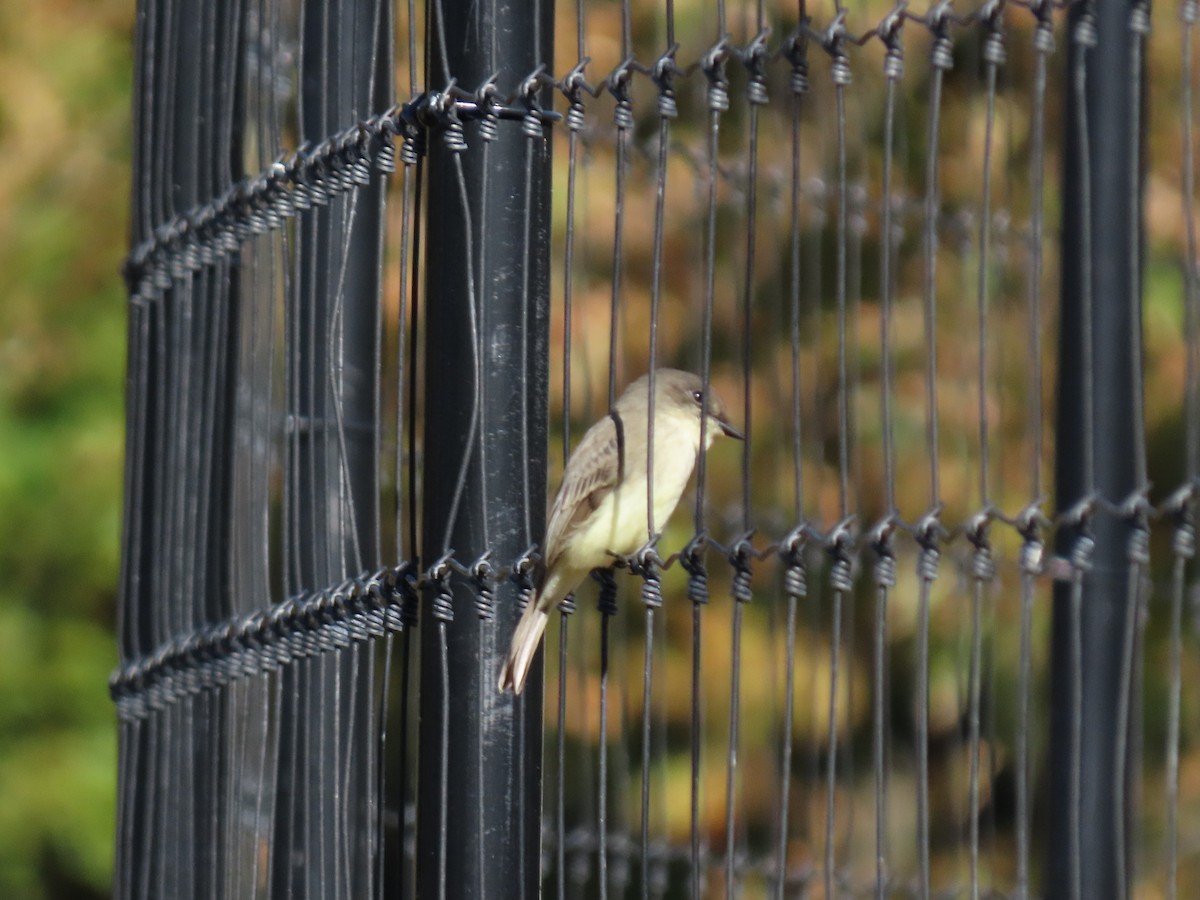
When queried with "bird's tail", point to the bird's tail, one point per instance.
{"points": [[524, 645]]}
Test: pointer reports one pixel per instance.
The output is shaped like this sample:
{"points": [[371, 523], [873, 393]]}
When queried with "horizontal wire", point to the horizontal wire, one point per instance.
{"points": [[311, 175]]}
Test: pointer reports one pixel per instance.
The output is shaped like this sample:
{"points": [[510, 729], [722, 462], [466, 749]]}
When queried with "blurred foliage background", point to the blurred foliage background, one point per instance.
{"points": [[65, 77]]}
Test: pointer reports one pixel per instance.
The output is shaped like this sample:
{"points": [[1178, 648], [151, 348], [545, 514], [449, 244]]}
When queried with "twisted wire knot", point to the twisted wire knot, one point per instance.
{"points": [[651, 590], [756, 54], [438, 577], [522, 577], [883, 543], [623, 114], [1081, 552], [795, 573], [893, 63], [718, 96], [531, 125], [576, 117], [1085, 34], [692, 560], [1138, 546], [410, 599], [454, 136], [929, 531], [413, 146], [841, 570], [983, 567], [1139, 19], [841, 575], [739, 558], [796, 52], [482, 579], [489, 125], [664, 72], [1188, 12], [385, 156], [885, 568], [358, 154], [566, 605], [646, 564], [1183, 542], [606, 603], [942, 54], [1032, 555], [1043, 37], [713, 65], [927, 560], [993, 49]]}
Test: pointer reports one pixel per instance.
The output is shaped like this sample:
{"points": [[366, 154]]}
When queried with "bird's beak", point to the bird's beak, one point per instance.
{"points": [[729, 430]]}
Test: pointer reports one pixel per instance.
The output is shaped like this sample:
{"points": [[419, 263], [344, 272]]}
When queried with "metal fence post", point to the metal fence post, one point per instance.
{"points": [[488, 268], [1095, 452]]}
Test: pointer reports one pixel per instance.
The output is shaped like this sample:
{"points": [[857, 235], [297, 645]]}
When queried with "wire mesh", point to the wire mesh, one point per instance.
{"points": [[843, 673]]}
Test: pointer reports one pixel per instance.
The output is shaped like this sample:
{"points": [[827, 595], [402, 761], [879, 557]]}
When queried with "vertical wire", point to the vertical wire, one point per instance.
{"points": [[1079, 80], [757, 96], [973, 724], [413, 325], [666, 110], [717, 102], [1043, 42], [444, 773], [731, 759], [748, 287], [621, 165], [131, 608], [841, 77], [560, 774], [646, 751], [923, 738], [381, 32], [893, 67], [1174, 692], [407, 234], [602, 776], [930, 245], [1074, 787], [835, 638], [695, 878], [1138, 539], [1184, 542], [786, 761], [843, 410], [941, 61], [799, 85], [470, 441], [1189, 14], [994, 55], [566, 608], [531, 146]]}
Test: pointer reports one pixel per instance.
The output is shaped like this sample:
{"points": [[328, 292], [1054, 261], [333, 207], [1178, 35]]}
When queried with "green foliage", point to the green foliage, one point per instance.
{"points": [[65, 74]]}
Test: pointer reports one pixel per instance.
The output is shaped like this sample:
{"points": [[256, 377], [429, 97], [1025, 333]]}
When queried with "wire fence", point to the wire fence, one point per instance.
{"points": [[927, 631]]}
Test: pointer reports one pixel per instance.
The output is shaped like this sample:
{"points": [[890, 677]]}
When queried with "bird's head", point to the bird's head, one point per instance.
{"points": [[685, 392]]}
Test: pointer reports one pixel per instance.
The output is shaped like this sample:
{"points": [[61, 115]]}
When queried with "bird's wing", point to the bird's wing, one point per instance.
{"points": [[592, 472]]}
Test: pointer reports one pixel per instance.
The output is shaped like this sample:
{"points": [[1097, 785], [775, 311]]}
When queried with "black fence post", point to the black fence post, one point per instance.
{"points": [[488, 268], [1095, 453]]}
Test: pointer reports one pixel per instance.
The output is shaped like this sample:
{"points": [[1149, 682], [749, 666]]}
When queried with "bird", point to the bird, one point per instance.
{"points": [[600, 512]]}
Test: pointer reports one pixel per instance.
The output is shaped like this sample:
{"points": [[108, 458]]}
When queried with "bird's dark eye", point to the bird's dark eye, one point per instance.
{"points": [[698, 396]]}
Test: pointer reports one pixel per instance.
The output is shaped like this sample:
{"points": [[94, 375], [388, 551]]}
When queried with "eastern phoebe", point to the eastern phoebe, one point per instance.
{"points": [[600, 510]]}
